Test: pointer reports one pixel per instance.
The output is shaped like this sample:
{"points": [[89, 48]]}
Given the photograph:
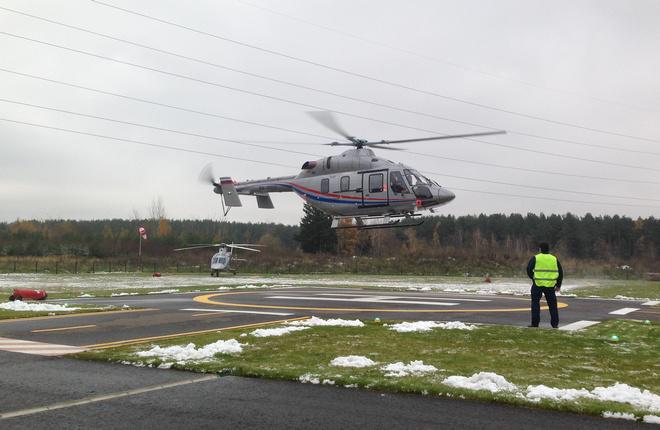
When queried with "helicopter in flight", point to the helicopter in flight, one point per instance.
{"points": [[225, 255], [357, 188]]}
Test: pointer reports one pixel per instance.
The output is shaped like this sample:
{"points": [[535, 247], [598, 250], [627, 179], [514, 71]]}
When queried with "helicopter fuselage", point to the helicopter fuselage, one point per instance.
{"points": [[354, 183]]}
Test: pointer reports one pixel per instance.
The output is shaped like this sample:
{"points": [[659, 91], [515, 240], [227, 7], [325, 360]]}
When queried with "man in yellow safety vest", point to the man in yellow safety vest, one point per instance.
{"points": [[547, 275]]}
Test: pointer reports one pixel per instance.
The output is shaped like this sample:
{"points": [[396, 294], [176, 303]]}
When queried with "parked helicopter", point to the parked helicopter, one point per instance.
{"points": [[221, 259], [356, 187]]}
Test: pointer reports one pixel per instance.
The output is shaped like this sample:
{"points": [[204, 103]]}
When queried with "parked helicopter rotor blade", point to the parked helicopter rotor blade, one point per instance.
{"points": [[328, 120], [195, 247], [247, 244], [448, 136], [244, 247], [206, 175]]}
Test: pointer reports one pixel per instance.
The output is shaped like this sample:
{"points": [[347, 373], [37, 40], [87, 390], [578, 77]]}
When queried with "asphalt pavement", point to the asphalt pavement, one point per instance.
{"points": [[59, 393]]}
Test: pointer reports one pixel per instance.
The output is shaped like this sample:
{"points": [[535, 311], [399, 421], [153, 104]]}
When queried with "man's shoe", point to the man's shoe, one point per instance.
{"points": [[555, 326], [533, 326]]}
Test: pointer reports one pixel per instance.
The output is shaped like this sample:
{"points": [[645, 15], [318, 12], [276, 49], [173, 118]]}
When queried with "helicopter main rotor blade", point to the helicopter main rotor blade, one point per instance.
{"points": [[247, 244], [206, 175], [243, 247], [448, 136], [328, 120], [377, 146]]}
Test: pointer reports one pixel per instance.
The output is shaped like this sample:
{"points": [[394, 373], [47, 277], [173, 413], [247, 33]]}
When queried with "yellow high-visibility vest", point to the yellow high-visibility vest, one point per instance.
{"points": [[546, 270]]}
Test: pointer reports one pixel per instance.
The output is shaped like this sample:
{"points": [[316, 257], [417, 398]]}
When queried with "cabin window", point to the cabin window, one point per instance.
{"points": [[376, 183], [325, 186], [397, 184], [327, 163], [345, 183]]}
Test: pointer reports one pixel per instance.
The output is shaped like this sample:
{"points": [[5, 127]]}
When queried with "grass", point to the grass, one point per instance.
{"points": [[629, 288], [6, 314], [525, 357]]}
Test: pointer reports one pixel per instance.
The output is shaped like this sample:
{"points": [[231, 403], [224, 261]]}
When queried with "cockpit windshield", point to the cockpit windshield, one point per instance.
{"points": [[415, 178]]}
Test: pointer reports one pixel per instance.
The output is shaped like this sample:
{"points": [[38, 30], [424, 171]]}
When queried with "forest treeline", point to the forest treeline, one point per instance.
{"points": [[483, 239]]}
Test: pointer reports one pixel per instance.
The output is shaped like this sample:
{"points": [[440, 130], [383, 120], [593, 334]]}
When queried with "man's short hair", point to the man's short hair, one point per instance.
{"points": [[544, 247]]}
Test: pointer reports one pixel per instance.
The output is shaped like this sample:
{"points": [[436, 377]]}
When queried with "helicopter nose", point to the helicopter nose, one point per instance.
{"points": [[445, 196]]}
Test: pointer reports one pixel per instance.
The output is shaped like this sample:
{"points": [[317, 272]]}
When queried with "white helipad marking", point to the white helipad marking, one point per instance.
{"points": [[458, 299], [651, 303], [101, 397], [36, 348], [578, 325], [373, 299], [623, 311], [227, 311]]}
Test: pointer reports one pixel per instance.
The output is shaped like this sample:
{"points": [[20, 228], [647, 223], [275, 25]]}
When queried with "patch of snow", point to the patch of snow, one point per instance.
{"points": [[620, 393], [165, 365], [651, 419], [22, 306], [277, 331], [414, 368], [423, 326], [352, 361], [85, 295], [192, 353], [624, 393], [331, 322], [123, 294], [488, 381], [619, 415], [308, 378], [328, 382], [538, 392], [169, 291], [351, 386], [620, 297]]}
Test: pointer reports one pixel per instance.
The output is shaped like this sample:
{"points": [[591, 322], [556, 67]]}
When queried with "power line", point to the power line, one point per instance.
{"points": [[175, 148], [443, 61], [281, 165], [138, 142], [548, 198], [500, 166], [467, 178], [69, 112], [318, 90], [152, 127], [371, 78], [216, 84]]}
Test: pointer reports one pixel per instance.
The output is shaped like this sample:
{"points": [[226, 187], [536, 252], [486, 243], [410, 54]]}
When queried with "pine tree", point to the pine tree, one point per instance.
{"points": [[315, 234]]}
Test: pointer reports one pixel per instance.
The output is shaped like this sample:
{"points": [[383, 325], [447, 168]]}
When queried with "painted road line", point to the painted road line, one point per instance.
{"points": [[63, 328], [282, 314], [458, 299], [102, 397], [36, 348], [651, 303], [81, 314], [208, 299], [623, 311], [578, 325], [377, 299], [127, 342]]}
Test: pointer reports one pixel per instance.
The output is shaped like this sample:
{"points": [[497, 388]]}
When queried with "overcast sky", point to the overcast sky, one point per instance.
{"points": [[593, 64]]}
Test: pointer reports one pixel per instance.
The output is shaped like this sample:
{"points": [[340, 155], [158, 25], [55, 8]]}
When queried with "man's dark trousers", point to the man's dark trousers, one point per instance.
{"points": [[551, 298]]}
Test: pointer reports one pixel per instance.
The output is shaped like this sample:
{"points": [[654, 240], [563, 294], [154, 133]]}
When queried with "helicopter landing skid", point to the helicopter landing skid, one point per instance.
{"points": [[372, 222]]}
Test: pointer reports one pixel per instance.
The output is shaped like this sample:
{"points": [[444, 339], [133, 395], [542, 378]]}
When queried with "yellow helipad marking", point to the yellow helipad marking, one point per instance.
{"points": [[81, 314], [63, 328], [207, 299], [127, 342]]}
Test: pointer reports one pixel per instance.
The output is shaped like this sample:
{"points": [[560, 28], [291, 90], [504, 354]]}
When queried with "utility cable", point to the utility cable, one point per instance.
{"points": [[216, 84], [443, 61], [317, 90], [374, 79], [479, 163], [152, 127]]}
